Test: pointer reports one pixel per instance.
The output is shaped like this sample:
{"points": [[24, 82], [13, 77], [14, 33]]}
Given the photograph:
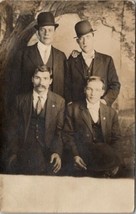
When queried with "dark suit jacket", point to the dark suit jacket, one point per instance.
{"points": [[103, 66], [78, 134], [53, 124], [24, 65]]}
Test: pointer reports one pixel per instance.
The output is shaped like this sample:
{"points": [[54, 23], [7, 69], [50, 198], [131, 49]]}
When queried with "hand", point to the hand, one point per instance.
{"points": [[12, 159], [57, 162], [79, 161], [75, 53], [103, 101]]}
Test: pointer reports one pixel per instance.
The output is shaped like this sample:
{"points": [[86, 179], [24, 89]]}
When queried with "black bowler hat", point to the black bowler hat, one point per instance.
{"points": [[83, 27], [45, 19], [102, 157]]}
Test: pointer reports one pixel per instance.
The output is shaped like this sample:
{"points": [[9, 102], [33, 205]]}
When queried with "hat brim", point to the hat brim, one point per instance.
{"points": [[78, 36], [46, 24]]}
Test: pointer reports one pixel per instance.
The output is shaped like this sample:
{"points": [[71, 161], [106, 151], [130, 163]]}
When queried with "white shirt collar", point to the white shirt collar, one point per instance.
{"points": [[43, 97], [43, 47], [94, 107], [91, 56]]}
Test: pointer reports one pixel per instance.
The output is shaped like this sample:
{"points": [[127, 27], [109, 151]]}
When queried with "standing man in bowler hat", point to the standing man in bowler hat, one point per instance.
{"points": [[92, 134], [89, 62], [39, 54]]}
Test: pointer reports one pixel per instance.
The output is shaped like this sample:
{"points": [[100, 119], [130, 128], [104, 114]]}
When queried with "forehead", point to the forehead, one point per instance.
{"points": [[89, 35], [42, 74], [95, 84], [47, 27]]}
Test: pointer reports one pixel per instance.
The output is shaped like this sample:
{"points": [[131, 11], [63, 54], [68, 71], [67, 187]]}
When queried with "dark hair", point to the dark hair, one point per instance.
{"points": [[43, 68], [96, 78]]}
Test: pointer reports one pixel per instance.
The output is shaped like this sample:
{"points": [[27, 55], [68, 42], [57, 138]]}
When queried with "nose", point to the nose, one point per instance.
{"points": [[84, 40], [46, 32], [41, 81]]}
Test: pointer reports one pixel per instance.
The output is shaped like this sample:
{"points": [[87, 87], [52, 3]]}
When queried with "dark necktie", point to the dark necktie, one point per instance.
{"points": [[39, 106]]}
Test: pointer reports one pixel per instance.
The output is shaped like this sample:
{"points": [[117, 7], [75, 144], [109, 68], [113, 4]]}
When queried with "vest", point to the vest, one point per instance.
{"points": [[97, 131], [33, 156]]}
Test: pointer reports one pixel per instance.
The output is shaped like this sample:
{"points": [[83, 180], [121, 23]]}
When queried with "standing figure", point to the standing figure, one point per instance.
{"points": [[27, 60], [35, 142], [87, 63], [92, 134]]}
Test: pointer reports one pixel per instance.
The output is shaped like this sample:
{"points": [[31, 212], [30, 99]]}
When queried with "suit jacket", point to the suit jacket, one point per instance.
{"points": [[25, 63], [78, 133], [53, 126], [103, 66]]}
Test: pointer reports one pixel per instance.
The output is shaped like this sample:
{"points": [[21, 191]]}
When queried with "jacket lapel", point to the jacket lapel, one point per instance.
{"points": [[35, 56], [79, 65], [97, 65], [27, 111], [50, 111], [86, 116], [103, 118]]}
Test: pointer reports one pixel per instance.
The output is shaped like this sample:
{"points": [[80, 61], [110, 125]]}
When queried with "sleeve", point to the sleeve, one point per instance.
{"points": [[57, 142], [69, 131], [113, 85], [68, 81], [116, 139]]}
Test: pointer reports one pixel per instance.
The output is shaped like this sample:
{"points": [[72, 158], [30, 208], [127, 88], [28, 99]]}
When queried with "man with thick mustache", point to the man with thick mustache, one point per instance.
{"points": [[36, 146]]}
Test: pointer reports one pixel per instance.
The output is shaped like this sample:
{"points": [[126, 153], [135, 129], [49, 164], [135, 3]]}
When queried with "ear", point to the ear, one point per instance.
{"points": [[32, 79], [50, 81], [102, 92], [77, 40]]}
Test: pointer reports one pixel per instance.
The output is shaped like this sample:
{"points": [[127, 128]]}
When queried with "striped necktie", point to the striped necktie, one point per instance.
{"points": [[39, 106]]}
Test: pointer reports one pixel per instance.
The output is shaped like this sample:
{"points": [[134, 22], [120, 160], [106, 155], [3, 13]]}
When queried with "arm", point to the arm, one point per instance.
{"points": [[68, 82], [116, 135], [57, 143], [113, 85]]}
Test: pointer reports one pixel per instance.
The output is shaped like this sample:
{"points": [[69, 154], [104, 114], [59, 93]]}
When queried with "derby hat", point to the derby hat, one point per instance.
{"points": [[45, 19], [102, 157], [82, 28]]}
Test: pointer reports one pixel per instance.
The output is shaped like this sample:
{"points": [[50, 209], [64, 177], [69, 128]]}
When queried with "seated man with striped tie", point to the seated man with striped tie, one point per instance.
{"points": [[92, 134], [37, 148]]}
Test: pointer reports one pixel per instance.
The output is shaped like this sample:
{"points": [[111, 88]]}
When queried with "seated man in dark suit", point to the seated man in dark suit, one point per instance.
{"points": [[35, 145], [92, 134]]}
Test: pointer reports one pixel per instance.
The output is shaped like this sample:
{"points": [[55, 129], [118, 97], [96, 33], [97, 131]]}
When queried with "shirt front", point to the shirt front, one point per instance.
{"points": [[88, 57], [44, 51], [93, 110], [36, 96]]}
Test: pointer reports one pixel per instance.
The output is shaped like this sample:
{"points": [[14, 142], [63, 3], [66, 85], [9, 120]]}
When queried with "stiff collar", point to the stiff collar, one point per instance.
{"points": [[43, 47], [90, 56]]}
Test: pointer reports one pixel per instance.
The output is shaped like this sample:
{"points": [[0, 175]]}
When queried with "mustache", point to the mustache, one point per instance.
{"points": [[43, 86]]}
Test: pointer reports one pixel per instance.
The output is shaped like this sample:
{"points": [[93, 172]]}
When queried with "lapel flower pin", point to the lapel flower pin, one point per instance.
{"points": [[53, 105], [104, 118]]}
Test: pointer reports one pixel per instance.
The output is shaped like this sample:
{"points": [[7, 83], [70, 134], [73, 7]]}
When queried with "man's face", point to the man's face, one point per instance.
{"points": [[41, 81], [46, 34], [94, 91], [86, 42]]}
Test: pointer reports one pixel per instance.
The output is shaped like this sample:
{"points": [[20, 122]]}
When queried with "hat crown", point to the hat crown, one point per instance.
{"points": [[45, 19], [83, 27]]}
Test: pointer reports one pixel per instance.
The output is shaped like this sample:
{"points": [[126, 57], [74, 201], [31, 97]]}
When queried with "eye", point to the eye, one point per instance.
{"points": [[36, 78]]}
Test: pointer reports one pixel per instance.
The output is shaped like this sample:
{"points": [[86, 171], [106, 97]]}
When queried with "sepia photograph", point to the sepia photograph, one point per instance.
{"points": [[67, 106]]}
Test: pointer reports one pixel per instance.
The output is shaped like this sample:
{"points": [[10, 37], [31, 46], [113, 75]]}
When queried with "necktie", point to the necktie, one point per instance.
{"points": [[38, 106], [45, 57]]}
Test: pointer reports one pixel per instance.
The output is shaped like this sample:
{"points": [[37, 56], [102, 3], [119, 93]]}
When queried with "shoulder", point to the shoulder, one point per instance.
{"points": [[103, 55], [56, 98], [23, 98], [58, 52], [111, 111], [74, 55]]}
